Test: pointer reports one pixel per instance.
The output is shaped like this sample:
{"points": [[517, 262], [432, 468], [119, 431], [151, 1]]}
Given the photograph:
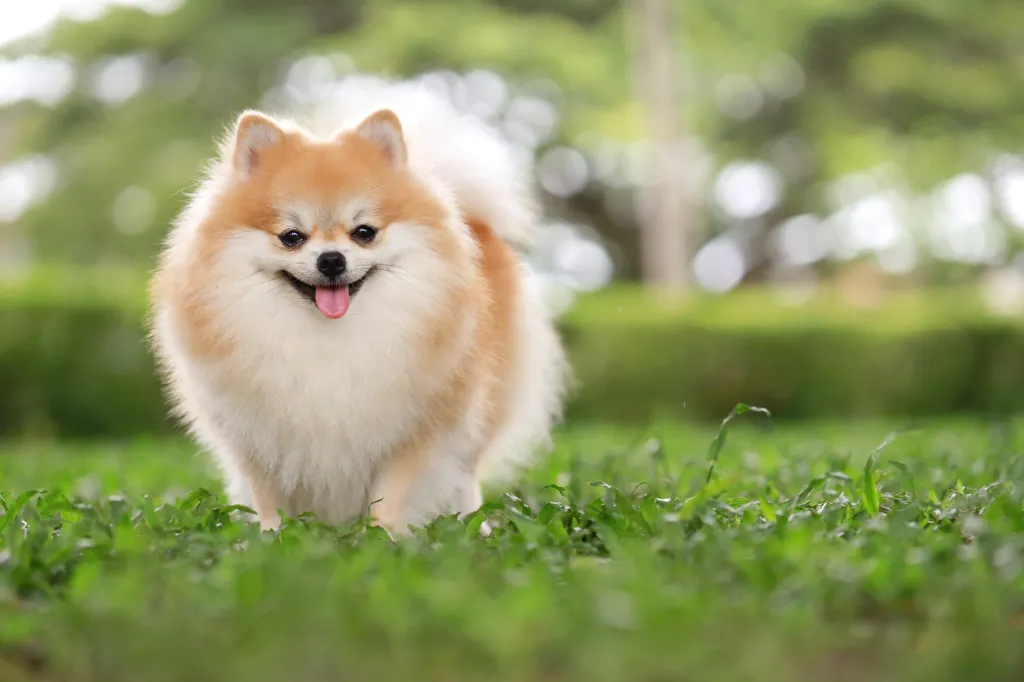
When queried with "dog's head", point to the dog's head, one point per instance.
{"points": [[329, 219]]}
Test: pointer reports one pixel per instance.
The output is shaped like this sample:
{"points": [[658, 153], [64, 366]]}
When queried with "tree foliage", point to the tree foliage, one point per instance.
{"points": [[932, 87]]}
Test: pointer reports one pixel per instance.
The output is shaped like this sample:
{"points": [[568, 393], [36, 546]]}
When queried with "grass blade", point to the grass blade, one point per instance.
{"points": [[907, 473], [11, 509], [716, 445], [869, 483], [869, 487]]}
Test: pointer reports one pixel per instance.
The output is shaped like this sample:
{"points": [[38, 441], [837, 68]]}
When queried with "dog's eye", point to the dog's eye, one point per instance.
{"points": [[364, 234], [291, 238]]}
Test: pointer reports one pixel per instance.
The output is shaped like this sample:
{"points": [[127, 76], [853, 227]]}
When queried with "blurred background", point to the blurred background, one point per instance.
{"points": [[816, 206]]}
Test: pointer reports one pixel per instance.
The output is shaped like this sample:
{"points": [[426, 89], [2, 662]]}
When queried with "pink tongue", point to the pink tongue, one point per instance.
{"points": [[332, 301]]}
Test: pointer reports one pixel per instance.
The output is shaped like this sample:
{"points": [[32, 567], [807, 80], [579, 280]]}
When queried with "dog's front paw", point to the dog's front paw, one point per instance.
{"points": [[270, 522]]}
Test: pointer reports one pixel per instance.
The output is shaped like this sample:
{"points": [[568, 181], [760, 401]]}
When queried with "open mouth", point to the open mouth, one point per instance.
{"points": [[331, 300]]}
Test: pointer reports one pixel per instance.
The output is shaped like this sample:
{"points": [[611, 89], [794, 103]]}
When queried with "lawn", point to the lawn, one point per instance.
{"points": [[805, 557]]}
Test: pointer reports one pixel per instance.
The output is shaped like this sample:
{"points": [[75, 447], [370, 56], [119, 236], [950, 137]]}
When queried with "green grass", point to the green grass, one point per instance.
{"points": [[805, 557]]}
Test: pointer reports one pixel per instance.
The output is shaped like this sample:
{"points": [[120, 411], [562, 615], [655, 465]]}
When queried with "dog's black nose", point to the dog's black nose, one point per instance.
{"points": [[331, 264]]}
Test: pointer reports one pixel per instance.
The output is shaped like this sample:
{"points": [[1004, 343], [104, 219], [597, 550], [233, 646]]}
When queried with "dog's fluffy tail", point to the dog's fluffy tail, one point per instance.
{"points": [[480, 170]]}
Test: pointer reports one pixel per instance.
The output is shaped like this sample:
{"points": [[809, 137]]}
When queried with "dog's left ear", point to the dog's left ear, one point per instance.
{"points": [[384, 130]]}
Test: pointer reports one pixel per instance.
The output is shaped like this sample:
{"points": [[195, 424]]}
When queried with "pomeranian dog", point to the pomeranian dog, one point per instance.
{"points": [[342, 319]]}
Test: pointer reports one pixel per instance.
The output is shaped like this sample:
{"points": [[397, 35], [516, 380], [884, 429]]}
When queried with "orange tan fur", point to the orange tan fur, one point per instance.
{"points": [[444, 367]]}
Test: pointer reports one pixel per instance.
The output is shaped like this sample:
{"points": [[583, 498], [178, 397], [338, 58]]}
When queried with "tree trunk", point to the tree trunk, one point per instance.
{"points": [[661, 203]]}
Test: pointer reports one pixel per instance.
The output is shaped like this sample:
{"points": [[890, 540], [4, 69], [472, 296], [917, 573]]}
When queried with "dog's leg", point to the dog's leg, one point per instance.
{"points": [[389, 495], [417, 486], [476, 500], [267, 496]]}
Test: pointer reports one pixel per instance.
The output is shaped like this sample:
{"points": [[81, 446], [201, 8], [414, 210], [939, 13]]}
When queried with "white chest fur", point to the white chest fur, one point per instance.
{"points": [[315, 402]]}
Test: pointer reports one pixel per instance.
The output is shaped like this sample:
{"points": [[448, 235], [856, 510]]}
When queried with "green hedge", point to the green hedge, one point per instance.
{"points": [[73, 361], [76, 371], [920, 354]]}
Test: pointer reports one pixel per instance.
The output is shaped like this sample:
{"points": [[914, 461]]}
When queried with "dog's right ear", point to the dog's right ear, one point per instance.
{"points": [[254, 134], [384, 130]]}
